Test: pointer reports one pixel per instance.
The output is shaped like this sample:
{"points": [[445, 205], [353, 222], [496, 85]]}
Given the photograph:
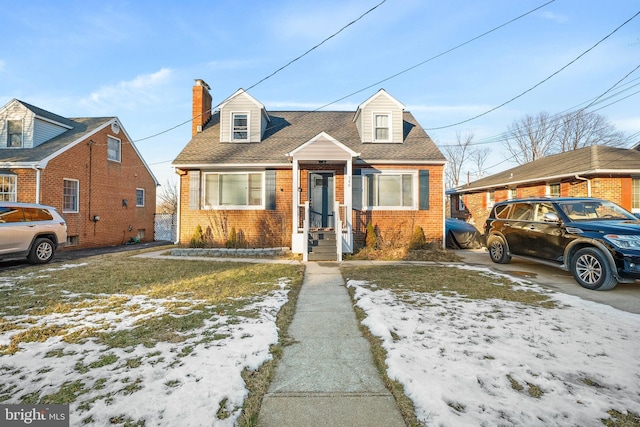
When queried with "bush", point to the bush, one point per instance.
{"points": [[371, 239], [197, 241], [418, 240]]}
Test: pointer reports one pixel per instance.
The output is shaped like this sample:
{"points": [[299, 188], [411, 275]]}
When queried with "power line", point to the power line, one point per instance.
{"points": [[279, 69], [540, 83]]}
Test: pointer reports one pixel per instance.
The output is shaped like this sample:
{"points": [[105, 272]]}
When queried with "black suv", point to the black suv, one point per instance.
{"points": [[597, 240]]}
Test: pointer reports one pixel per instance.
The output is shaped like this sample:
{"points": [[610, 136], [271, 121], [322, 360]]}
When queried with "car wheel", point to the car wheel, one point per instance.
{"points": [[591, 270], [498, 250], [41, 251]]}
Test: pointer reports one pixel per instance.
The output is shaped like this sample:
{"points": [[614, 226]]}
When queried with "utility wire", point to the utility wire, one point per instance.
{"points": [[279, 69], [540, 83]]}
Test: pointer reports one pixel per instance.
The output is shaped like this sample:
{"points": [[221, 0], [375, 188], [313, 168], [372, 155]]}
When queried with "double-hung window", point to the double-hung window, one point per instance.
{"points": [[234, 190], [554, 190], [382, 127], [390, 190], [240, 126], [14, 133], [8, 188], [70, 195], [140, 197], [114, 149]]}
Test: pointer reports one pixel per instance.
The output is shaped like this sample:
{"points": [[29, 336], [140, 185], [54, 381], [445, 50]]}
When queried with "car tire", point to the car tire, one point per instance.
{"points": [[41, 251], [498, 250], [591, 269]]}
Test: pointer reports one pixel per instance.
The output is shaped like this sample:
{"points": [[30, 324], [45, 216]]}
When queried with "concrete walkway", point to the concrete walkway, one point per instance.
{"points": [[327, 377]]}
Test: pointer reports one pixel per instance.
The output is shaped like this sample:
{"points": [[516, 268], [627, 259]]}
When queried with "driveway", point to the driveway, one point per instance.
{"points": [[623, 297]]}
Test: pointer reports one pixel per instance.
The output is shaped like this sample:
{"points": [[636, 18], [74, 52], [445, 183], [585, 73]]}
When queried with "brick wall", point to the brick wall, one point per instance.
{"points": [[263, 228], [614, 188], [103, 186]]}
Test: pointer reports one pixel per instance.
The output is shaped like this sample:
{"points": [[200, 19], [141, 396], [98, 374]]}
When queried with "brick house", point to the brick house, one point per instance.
{"points": [[87, 168], [278, 177], [595, 171]]}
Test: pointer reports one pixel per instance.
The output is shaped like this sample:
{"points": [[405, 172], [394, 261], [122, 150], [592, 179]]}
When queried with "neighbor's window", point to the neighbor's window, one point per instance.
{"points": [[635, 195], [234, 189], [389, 189], [8, 188], [491, 198], [114, 149], [140, 197], [381, 127], [240, 123], [554, 190], [513, 193], [70, 195], [14, 133]]}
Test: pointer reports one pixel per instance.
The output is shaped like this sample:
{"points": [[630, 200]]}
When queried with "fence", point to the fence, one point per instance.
{"points": [[165, 227]]}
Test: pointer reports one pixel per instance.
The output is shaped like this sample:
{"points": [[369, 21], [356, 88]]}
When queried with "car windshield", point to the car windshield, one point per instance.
{"points": [[594, 210]]}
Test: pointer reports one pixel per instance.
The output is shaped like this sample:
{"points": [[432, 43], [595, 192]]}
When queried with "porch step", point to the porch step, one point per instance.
{"points": [[322, 245]]}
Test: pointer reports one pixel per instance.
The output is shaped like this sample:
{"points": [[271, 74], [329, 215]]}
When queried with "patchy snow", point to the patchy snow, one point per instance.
{"points": [[474, 362], [458, 359], [170, 384]]}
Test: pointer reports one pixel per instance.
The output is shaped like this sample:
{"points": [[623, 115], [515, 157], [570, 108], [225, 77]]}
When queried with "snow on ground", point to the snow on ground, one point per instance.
{"points": [[170, 384], [470, 362]]}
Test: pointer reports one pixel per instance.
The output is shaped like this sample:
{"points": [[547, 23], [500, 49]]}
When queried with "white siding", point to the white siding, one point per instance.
{"points": [[44, 131], [241, 104], [16, 111], [383, 103]]}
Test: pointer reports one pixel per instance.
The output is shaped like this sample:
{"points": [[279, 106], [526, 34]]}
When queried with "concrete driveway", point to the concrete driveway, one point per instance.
{"points": [[623, 297]]}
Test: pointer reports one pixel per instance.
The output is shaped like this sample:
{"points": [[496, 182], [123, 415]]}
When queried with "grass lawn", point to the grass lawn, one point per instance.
{"points": [[107, 319]]}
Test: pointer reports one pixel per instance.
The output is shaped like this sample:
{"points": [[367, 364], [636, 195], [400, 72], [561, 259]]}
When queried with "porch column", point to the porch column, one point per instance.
{"points": [[296, 196]]}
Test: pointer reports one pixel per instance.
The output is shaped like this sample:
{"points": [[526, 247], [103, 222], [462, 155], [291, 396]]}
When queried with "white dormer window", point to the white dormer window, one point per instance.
{"points": [[382, 127], [14, 133], [240, 126]]}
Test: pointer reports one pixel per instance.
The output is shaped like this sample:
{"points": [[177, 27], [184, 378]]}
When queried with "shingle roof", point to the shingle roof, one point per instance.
{"points": [[595, 159], [80, 127], [290, 129]]}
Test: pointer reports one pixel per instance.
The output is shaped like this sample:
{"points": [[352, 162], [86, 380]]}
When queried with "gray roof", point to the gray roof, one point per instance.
{"points": [[81, 126], [290, 129], [592, 160]]}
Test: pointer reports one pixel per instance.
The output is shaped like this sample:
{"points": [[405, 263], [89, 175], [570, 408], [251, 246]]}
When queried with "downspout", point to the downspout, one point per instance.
{"points": [[588, 184], [37, 169]]}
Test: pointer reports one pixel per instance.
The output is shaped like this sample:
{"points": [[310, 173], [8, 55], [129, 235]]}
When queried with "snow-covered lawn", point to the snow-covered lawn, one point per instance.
{"points": [[478, 362], [192, 382]]}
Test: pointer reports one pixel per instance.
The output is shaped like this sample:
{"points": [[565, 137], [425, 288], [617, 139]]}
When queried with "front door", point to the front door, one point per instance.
{"points": [[321, 196]]}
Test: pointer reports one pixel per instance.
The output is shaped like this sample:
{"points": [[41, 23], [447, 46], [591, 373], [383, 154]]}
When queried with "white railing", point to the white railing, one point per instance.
{"points": [[305, 231], [338, 220]]}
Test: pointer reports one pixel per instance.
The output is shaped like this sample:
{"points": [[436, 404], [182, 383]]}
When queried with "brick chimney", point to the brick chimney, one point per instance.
{"points": [[201, 106]]}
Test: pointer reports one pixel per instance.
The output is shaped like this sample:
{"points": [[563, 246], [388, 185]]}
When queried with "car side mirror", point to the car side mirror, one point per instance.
{"points": [[550, 217]]}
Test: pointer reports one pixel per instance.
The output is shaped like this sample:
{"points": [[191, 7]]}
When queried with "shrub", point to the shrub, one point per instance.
{"points": [[232, 241], [197, 241], [371, 239], [418, 240]]}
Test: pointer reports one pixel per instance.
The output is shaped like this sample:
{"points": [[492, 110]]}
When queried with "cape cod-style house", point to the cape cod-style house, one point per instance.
{"points": [[298, 178]]}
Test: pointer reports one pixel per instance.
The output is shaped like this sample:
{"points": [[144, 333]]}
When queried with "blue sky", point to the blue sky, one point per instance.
{"points": [[138, 60]]}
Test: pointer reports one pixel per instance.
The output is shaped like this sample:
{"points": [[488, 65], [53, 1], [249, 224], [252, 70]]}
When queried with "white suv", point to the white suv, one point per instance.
{"points": [[30, 230]]}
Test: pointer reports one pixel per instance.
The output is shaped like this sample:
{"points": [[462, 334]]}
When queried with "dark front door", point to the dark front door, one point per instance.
{"points": [[321, 196]]}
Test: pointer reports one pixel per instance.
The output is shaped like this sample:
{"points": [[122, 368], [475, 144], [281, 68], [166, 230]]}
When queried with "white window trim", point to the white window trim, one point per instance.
{"points": [[415, 190], [231, 129], [143, 197], [119, 160], [233, 207], [77, 196], [15, 187], [633, 210], [548, 189], [373, 125], [491, 201], [6, 142]]}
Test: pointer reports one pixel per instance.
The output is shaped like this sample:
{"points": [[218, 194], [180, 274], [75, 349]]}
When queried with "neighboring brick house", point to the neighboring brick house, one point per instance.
{"points": [[595, 171], [87, 168], [263, 173]]}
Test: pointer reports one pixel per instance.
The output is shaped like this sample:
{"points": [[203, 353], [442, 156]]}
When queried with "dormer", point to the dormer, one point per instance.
{"points": [[242, 119], [379, 119], [25, 126]]}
